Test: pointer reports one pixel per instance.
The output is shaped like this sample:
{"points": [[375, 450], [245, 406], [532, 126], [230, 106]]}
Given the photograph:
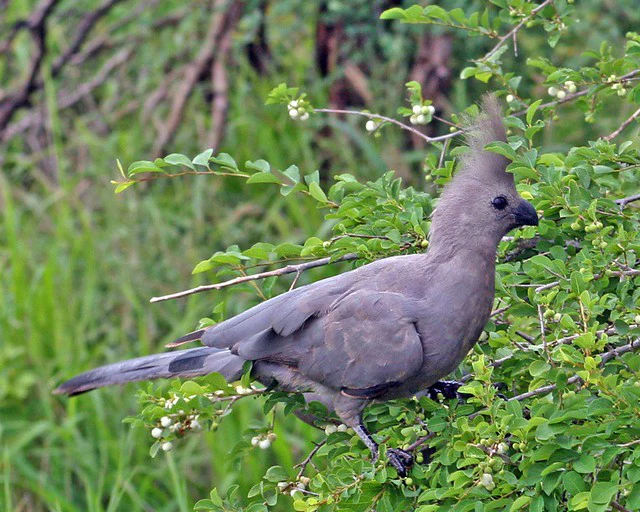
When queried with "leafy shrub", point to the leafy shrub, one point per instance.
{"points": [[563, 339]]}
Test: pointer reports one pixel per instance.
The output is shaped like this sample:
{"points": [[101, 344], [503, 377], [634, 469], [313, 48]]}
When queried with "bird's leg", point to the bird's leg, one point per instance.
{"points": [[399, 459], [367, 440]]}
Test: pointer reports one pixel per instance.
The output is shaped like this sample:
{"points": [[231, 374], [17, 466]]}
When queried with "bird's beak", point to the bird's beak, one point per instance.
{"points": [[525, 214]]}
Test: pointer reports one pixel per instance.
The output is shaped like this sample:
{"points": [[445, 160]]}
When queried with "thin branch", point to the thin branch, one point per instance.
{"points": [[512, 33], [617, 132], [37, 25], [303, 465], [289, 269], [626, 200], [605, 357], [369, 115], [420, 441], [617, 506]]}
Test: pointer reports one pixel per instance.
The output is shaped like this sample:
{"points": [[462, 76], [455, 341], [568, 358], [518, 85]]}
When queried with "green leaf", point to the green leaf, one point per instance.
{"points": [[276, 474], [520, 503], [585, 464], [123, 185], [225, 160], [395, 13], [258, 165], [531, 111], [502, 148], [178, 159], [202, 160], [143, 166], [263, 177], [317, 193], [633, 499]]}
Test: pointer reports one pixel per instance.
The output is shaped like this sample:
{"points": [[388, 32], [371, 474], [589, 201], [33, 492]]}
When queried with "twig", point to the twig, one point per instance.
{"points": [[303, 465], [605, 357], [626, 200], [71, 99], [37, 25], [289, 269], [84, 28], [514, 31], [617, 506], [369, 115], [626, 123], [420, 441]]}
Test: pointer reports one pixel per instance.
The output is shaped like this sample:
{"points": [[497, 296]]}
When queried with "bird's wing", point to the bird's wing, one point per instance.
{"points": [[283, 315], [364, 345]]}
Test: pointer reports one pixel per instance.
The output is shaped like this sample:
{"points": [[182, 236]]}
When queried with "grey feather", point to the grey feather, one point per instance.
{"points": [[182, 363]]}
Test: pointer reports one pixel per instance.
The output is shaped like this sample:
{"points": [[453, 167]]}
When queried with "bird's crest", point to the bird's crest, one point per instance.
{"points": [[487, 127]]}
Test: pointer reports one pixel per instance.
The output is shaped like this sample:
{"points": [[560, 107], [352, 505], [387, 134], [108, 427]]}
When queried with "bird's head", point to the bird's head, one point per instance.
{"points": [[481, 204]]}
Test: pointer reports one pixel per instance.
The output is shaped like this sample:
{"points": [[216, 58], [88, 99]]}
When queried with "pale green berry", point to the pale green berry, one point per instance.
{"points": [[271, 436], [510, 98], [571, 86], [561, 95], [622, 92], [413, 119], [417, 109], [421, 119], [553, 91], [486, 480], [330, 429], [371, 125]]}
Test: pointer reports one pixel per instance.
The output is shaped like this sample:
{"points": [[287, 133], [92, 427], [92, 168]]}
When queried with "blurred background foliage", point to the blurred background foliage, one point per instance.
{"points": [[83, 82]]}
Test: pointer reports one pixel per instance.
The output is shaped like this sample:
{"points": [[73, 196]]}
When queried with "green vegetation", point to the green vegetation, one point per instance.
{"points": [[78, 264]]}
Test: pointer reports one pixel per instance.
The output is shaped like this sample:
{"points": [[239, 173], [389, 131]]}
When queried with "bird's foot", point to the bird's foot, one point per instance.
{"points": [[400, 460], [449, 390]]}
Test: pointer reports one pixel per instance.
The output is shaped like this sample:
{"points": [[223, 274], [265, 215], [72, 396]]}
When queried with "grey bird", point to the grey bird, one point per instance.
{"points": [[386, 330]]}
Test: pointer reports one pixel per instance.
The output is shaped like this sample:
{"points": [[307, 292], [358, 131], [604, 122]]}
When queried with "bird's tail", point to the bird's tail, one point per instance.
{"points": [[181, 363]]}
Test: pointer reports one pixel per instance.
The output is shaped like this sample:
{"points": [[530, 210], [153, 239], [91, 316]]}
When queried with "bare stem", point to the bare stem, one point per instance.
{"points": [[289, 269]]}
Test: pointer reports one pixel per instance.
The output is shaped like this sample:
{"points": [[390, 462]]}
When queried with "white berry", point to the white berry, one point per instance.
{"points": [[165, 421], [553, 91], [330, 429], [561, 95], [293, 113], [417, 109], [304, 116], [157, 433], [264, 444], [255, 441], [510, 98], [371, 125], [167, 447]]}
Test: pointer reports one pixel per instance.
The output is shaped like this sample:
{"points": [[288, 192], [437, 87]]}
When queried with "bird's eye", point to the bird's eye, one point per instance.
{"points": [[500, 203]]}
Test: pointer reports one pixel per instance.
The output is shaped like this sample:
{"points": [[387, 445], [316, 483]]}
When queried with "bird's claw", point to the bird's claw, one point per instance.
{"points": [[400, 460]]}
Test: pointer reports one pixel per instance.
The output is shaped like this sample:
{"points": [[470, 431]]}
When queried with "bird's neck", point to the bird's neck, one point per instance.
{"points": [[448, 242]]}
